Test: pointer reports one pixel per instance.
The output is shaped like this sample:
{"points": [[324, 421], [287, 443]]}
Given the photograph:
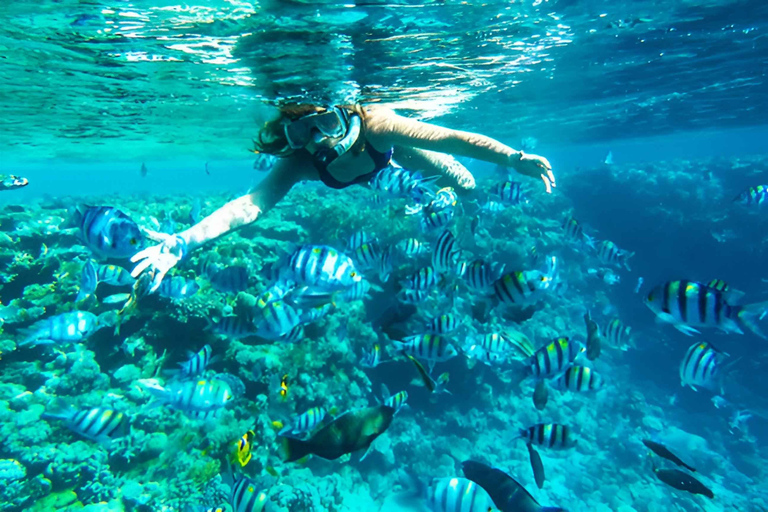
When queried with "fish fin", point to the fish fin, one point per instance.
{"points": [[734, 297], [294, 449], [685, 329], [746, 317]]}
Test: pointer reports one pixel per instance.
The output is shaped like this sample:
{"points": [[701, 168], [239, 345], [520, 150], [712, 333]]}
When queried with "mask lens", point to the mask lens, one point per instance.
{"points": [[299, 132]]}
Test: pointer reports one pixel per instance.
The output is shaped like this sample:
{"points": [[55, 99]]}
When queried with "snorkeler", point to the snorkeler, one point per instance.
{"points": [[340, 146], [12, 182]]}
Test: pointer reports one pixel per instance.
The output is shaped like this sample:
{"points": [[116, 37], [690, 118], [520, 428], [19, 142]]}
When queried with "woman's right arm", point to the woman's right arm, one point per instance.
{"points": [[233, 215]]}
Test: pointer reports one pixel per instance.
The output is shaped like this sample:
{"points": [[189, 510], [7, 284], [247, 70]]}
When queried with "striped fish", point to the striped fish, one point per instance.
{"points": [[444, 198], [233, 327], [304, 423], [443, 324], [579, 379], [481, 275], [177, 288], [609, 253], [430, 347], [357, 239], [367, 255], [230, 279], [701, 367], [422, 280], [457, 495], [68, 327], [574, 233], [246, 496], [408, 296], [313, 314], [398, 182], [295, 335], [752, 195], [412, 247], [554, 358], [397, 401], [88, 281], [371, 358], [521, 288], [197, 362], [114, 275], [357, 291], [431, 221], [731, 295], [192, 395], [494, 348], [492, 206], [445, 255], [211, 415], [320, 266], [549, 435], [618, 334], [385, 264], [275, 320], [509, 192], [97, 424], [108, 232], [688, 304]]}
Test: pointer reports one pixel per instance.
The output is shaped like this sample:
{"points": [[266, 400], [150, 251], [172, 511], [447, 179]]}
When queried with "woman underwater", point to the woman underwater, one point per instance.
{"points": [[340, 146]]}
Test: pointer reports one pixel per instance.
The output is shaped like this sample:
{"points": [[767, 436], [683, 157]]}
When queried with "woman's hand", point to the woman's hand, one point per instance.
{"points": [[534, 166], [160, 258]]}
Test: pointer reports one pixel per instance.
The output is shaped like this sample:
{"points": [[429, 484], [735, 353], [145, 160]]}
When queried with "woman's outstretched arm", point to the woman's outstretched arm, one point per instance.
{"points": [[433, 164]]}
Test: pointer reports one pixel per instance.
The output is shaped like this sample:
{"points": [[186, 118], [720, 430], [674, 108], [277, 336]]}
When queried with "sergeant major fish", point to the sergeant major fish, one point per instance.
{"points": [[108, 232], [304, 423], [68, 327], [609, 253], [192, 395], [701, 367], [98, 424], [549, 435]]}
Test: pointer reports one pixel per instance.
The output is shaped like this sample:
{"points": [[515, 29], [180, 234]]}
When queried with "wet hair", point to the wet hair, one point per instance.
{"points": [[271, 138]]}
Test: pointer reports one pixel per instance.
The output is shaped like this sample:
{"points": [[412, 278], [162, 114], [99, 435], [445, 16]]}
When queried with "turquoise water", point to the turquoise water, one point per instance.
{"points": [[91, 91]]}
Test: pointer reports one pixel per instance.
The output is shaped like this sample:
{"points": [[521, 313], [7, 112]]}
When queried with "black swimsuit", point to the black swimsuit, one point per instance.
{"points": [[380, 160]]}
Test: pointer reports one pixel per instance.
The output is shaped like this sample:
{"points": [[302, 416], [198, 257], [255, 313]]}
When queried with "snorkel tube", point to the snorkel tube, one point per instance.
{"points": [[323, 157]]}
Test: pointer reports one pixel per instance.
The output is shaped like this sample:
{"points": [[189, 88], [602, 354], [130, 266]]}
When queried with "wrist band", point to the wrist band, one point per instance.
{"points": [[183, 245]]}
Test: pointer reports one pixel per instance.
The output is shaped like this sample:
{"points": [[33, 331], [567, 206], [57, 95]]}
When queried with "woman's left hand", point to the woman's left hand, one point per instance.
{"points": [[534, 166]]}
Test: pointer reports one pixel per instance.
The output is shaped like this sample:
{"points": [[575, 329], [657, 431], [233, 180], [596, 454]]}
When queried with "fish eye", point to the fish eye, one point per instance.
{"points": [[352, 274], [134, 241]]}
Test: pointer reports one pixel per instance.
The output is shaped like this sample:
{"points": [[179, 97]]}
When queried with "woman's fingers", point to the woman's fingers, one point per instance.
{"points": [[547, 183]]}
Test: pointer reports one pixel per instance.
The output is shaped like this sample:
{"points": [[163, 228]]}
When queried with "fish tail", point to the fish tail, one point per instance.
{"points": [[747, 316], [294, 449]]}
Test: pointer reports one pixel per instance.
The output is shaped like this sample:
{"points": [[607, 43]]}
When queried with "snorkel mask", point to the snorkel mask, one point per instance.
{"points": [[333, 123]]}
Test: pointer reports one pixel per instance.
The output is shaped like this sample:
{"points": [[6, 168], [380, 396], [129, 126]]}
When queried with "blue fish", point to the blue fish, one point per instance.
{"points": [[231, 279], [67, 327], [108, 232], [178, 288]]}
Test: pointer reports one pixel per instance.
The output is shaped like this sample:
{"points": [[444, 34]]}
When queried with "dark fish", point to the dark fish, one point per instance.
{"points": [[431, 384], [594, 340], [662, 451], [536, 465], [507, 494], [230, 279], [541, 395], [354, 430], [683, 481], [143, 171]]}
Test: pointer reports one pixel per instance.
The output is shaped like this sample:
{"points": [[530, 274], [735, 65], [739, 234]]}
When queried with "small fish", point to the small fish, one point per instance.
{"points": [[367, 255], [444, 198], [618, 334], [481, 275], [524, 288], [608, 158], [753, 195], [246, 496], [230, 279], [408, 296], [443, 324], [639, 284], [432, 221], [573, 230], [357, 240], [397, 401], [540, 395], [143, 171], [68, 327], [385, 264], [579, 379], [114, 275], [177, 288], [554, 358], [663, 451], [550, 435], [284, 387], [98, 424], [275, 320], [12, 182], [422, 280], [430, 347], [688, 304], [304, 423], [371, 358], [352, 431], [244, 448], [451, 494], [108, 232], [320, 267], [609, 253], [192, 395], [232, 327], [88, 281], [197, 362], [701, 367], [510, 193], [295, 335], [398, 182], [431, 384], [412, 247], [445, 255], [594, 340], [683, 482], [536, 465]]}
